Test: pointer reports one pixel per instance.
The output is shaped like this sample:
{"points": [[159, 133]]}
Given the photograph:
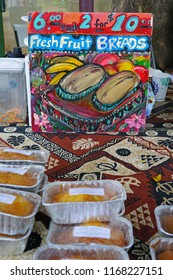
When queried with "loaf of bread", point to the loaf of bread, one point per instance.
{"points": [[92, 254], [65, 197], [76, 256], [165, 255], [12, 178], [82, 195], [11, 236], [68, 257], [7, 155], [15, 204], [67, 235], [168, 223]]}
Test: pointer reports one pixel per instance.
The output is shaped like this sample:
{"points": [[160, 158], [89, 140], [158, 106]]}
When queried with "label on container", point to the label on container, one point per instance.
{"points": [[92, 191], [21, 171], [92, 232], [7, 198], [28, 153]]}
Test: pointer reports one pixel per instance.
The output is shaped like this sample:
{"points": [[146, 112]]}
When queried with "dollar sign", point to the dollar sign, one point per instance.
{"points": [[110, 17]]}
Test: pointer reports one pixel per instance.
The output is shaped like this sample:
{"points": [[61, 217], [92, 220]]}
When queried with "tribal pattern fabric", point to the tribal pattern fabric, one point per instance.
{"points": [[134, 160]]}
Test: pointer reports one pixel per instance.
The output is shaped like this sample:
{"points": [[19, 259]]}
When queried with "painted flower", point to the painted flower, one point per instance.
{"points": [[41, 121], [33, 90], [136, 122]]}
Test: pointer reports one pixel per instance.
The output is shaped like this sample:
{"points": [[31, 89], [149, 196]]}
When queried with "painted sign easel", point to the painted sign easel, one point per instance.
{"points": [[89, 71]]}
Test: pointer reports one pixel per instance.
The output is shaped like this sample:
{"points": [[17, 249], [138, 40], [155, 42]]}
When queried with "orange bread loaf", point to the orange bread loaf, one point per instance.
{"points": [[75, 256], [83, 193], [168, 223], [67, 235], [166, 255], [18, 206], [11, 178], [67, 257], [65, 197], [82, 254], [11, 236], [7, 155]]}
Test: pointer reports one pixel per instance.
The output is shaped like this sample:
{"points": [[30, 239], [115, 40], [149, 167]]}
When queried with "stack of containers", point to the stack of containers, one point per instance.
{"points": [[86, 213], [161, 248], [21, 177]]}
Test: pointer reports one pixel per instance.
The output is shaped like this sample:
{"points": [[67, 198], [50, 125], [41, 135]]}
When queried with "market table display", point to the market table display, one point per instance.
{"points": [[141, 163]]}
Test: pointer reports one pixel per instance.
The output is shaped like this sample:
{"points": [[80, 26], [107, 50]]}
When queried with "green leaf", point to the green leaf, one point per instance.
{"points": [[38, 112], [142, 61], [123, 126]]}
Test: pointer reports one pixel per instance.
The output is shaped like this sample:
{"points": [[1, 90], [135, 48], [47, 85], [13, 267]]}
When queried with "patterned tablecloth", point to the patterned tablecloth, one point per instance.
{"points": [[134, 160]]}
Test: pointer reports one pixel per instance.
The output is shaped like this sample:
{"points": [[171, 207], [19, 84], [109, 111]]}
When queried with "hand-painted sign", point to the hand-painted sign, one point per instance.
{"points": [[89, 71]]}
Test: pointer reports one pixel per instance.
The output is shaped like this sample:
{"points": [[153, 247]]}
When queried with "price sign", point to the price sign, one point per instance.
{"points": [[90, 23], [89, 70]]}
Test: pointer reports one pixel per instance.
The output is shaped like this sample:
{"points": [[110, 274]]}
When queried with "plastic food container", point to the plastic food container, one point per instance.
{"points": [[11, 246], [93, 234], [164, 219], [13, 224], [26, 157], [77, 212], [43, 185], [160, 245], [36, 172], [13, 105], [69, 252]]}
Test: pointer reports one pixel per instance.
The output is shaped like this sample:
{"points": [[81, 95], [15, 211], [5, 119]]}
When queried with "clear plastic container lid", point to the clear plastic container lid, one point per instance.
{"points": [[162, 246], [85, 252], [12, 64], [112, 204]]}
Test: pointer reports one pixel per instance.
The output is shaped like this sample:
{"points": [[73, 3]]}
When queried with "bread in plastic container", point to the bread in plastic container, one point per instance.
{"points": [[78, 201], [80, 252], [15, 204], [15, 244], [117, 233], [25, 177], [7, 177], [164, 219], [161, 248], [17, 210], [17, 156], [168, 223], [165, 255]]}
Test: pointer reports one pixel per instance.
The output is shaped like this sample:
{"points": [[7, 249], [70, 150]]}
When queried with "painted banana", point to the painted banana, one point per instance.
{"points": [[55, 80], [66, 59], [117, 87], [59, 67]]}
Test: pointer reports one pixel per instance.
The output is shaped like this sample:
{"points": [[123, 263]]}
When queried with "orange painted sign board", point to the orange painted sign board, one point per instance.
{"points": [[89, 71]]}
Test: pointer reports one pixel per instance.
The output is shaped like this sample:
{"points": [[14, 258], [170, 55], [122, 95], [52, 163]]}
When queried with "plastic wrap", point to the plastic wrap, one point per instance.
{"points": [[36, 172], [18, 157], [43, 184], [160, 245], [12, 224], [10, 246], [164, 219], [113, 196], [117, 233], [69, 252]]}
